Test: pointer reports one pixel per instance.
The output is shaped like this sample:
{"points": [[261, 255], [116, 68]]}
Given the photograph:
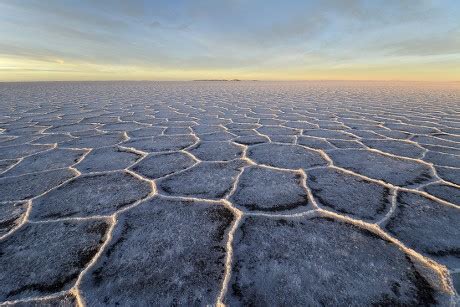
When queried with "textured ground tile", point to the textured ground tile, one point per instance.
{"points": [[19, 140], [107, 159], [264, 189], [184, 263], [445, 192], [299, 125], [448, 137], [210, 180], [456, 281], [390, 169], [161, 143], [59, 301], [442, 159], [94, 141], [31, 185], [7, 164], [159, 165], [177, 130], [393, 134], [206, 128], [251, 139], [126, 126], [27, 130], [348, 194], [243, 132], [52, 138], [146, 132], [20, 151], [308, 262], [442, 149], [277, 130], [70, 128], [217, 151], [100, 194], [411, 128], [55, 252], [400, 148], [48, 160], [332, 134], [449, 174], [428, 227], [285, 156], [285, 139], [315, 143], [424, 139], [344, 144], [11, 215], [217, 136]]}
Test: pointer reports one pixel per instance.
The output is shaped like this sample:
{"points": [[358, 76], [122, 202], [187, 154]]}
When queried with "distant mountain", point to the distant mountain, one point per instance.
{"points": [[222, 80]]}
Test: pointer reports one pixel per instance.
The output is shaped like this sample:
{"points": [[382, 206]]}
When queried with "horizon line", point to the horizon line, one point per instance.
{"points": [[234, 80]]}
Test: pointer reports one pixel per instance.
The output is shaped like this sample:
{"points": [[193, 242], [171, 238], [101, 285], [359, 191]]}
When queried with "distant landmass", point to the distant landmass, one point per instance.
{"points": [[222, 80]]}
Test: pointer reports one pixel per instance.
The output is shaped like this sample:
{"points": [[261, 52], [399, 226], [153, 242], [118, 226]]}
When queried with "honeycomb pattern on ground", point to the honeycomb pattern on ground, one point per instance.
{"points": [[236, 193]]}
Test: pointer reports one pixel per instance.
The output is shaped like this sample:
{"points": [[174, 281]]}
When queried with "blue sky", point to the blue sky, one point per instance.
{"points": [[348, 39]]}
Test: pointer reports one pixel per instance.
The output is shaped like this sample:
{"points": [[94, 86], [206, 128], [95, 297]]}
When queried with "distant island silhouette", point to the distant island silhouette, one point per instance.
{"points": [[222, 80]]}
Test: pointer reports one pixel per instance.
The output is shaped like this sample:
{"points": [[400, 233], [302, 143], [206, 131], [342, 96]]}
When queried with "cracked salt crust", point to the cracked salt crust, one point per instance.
{"points": [[174, 162]]}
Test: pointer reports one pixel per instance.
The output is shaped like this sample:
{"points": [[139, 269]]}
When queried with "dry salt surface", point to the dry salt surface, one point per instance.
{"points": [[235, 193]]}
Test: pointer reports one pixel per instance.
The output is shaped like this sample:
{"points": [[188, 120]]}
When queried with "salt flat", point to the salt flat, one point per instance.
{"points": [[237, 193]]}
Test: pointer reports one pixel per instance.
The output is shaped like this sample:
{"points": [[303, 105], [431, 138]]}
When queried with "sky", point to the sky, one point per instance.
{"points": [[230, 39]]}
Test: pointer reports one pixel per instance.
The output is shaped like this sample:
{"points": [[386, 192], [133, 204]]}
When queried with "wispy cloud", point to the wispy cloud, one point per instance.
{"points": [[158, 25]]}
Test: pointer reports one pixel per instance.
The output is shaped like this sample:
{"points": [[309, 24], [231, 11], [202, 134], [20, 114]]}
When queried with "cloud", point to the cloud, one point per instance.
{"points": [[54, 10], [445, 44], [31, 52], [158, 25]]}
